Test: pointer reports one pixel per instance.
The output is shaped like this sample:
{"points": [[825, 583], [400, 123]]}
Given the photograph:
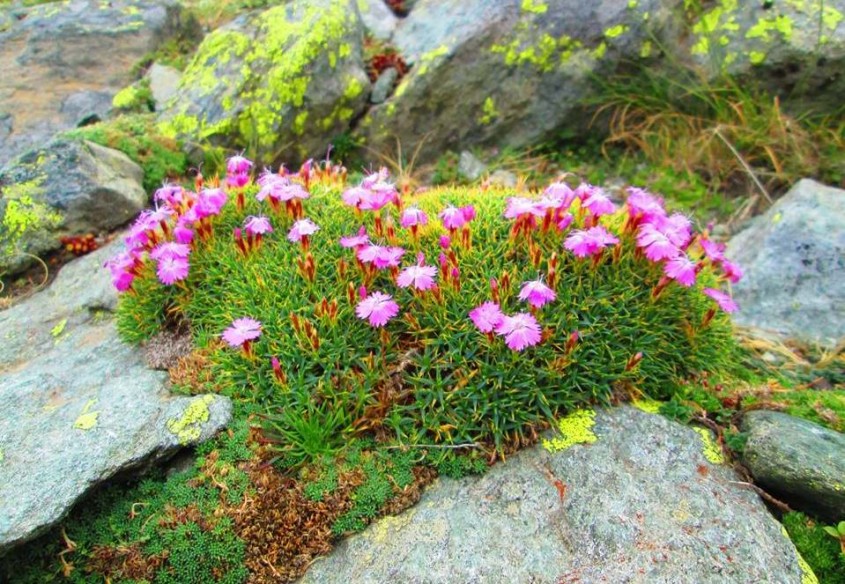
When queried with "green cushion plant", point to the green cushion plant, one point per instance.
{"points": [[427, 317]]}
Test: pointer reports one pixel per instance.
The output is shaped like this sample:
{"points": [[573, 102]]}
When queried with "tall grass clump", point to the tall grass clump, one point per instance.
{"points": [[730, 133], [456, 316]]}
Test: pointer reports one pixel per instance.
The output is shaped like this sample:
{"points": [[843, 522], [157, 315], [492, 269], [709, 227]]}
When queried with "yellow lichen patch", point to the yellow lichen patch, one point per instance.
{"points": [[24, 214], [381, 530], [711, 450], [59, 328], [807, 574], [189, 427], [87, 419], [649, 406], [488, 112], [615, 31], [534, 6], [756, 57], [576, 428]]}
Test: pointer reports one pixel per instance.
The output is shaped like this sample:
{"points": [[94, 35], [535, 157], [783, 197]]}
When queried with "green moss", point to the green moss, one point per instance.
{"points": [[818, 553], [188, 427], [138, 137], [576, 428]]}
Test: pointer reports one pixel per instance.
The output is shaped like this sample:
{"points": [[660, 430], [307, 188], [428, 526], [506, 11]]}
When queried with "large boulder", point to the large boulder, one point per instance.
{"points": [[77, 406], [506, 73], [68, 187], [61, 63], [641, 503], [282, 82], [797, 460], [796, 48], [794, 262]]}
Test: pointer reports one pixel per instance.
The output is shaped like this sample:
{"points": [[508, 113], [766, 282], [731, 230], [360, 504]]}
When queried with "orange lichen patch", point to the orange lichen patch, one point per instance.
{"points": [[124, 563], [193, 372]]}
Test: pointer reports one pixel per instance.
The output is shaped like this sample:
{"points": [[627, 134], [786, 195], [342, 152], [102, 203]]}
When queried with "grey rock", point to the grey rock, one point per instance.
{"points": [[86, 107], [797, 460], [383, 86], [378, 19], [90, 187], [285, 80], [77, 406], [506, 73], [470, 167], [503, 178], [59, 49], [794, 262], [642, 505], [795, 49], [164, 82]]}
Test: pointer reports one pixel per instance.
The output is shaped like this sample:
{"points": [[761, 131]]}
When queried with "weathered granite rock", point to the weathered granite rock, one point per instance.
{"points": [[795, 49], [506, 73], [642, 504], [384, 85], [62, 62], [797, 460], [284, 80], [794, 262], [79, 186], [378, 19], [164, 83], [470, 167], [77, 406]]}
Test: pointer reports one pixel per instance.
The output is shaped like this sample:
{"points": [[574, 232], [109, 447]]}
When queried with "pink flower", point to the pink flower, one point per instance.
{"points": [[520, 331], [486, 317], [588, 242], [565, 221], [121, 267], [519, 206], [375, 200], [182, 234], [362, 238], [388, 257], [445, 241], [598, 203], [643, 204], [170, 249], [536, 293], [420, 277], [378, 308], [237, 180], [169, 194], [122, 281], [354, 195], [171, 269], [676, 227], [257, 225], [242, 331], [412, 217], [584, 190], [656, 245], [732, 271], [715, 252], [210, 202], [468, 212], [238, 165], [681, 269], [368, 253], [562, 192], [372, 179], [724, 301], [302, 228], [453, 218]]}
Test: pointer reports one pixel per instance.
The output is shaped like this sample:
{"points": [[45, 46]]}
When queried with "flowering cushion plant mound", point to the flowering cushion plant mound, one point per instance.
{"points": [[452, 315]]}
